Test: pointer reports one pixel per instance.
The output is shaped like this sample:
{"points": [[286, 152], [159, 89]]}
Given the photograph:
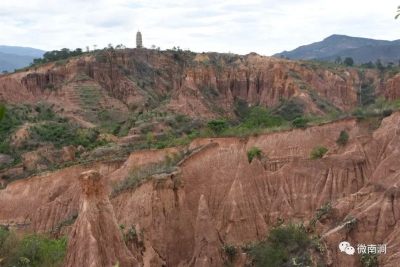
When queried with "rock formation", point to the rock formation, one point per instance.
{"points": [[96, 239], [218, 197], [200, 85]]}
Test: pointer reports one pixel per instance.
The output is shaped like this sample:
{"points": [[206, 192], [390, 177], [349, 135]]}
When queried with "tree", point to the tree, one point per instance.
{"points": [[2, 111], [368, 65], [87, 49], [4, 72], [318, 152], [153, 47], [398, 12], [260, 117], [348, 61], [338, 60], [217, 126], [343, 138], [149, 138], [379, 65]]}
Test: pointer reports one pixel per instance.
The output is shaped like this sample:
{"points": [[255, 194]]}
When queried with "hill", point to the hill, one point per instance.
{"points": [[360, 49], [16, 57], [176, 158]]}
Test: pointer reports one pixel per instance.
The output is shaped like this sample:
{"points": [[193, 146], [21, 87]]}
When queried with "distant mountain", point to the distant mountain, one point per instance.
{"points": [[22, 51], [16, 57], [360, 49]]}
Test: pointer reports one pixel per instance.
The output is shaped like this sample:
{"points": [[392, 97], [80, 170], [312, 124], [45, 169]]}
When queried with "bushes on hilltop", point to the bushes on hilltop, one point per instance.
{"points": [[57, 55]]}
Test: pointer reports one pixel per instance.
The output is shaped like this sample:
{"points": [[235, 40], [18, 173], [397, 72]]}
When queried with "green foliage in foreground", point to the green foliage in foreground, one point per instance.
{"points": [[284, 245], [318, 152], [31, 250], [2, 111]]}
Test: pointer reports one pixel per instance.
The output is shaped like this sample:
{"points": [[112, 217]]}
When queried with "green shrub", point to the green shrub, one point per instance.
{"points": [[290, 110], [254, 151], [49, 86], [260, 117], [343, 138], [33, 249], [300, 123], [217, 126], [161, 145], [323, 210], [369, 260], [318, 152], [242, 110], [2, 112], [264, 254], [230, 251], [387, 112], [350, 224], [284, 245]]}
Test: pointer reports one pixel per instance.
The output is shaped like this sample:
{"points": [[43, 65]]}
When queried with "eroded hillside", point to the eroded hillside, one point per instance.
{"points": [[110, 103], [216, 197], [189, 201]]}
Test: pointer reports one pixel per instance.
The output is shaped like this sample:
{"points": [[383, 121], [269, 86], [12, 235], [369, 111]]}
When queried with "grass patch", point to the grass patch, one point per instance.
{"points": [[89, 95]]}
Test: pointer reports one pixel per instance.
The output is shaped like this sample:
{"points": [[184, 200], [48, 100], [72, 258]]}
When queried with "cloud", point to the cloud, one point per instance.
{"points": [[265, 27]]}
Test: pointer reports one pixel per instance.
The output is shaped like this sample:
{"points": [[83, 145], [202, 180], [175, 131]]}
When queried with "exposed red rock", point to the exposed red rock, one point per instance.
{"points": [[96, 239], [218, 193], [132, 77]]}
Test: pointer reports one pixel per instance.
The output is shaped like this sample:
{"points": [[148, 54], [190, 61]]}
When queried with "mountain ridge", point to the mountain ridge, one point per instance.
{"points": [[16, 57], [343, 46]]}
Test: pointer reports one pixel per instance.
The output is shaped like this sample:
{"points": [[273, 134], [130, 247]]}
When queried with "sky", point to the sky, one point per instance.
{"points": [[264, 27]]}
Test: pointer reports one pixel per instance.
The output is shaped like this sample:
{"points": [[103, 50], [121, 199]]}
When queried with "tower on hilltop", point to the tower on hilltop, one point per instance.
{"points": [[139, 40]]}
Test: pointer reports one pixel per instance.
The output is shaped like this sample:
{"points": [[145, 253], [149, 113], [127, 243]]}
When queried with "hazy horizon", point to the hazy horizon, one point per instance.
{"points": [[264, 27]]}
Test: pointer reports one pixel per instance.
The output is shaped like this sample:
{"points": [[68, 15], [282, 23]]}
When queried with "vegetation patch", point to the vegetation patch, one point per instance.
{"points": [[260, 117], [343, 138], [289, 109], [369, 260], [139, 174], [31, 250], [230, 252], [217, 126], [285, 246], [300, 123], [253, 152], [322, 211], [318, 152], [350, 224], [209, 92], [67, 222]]}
